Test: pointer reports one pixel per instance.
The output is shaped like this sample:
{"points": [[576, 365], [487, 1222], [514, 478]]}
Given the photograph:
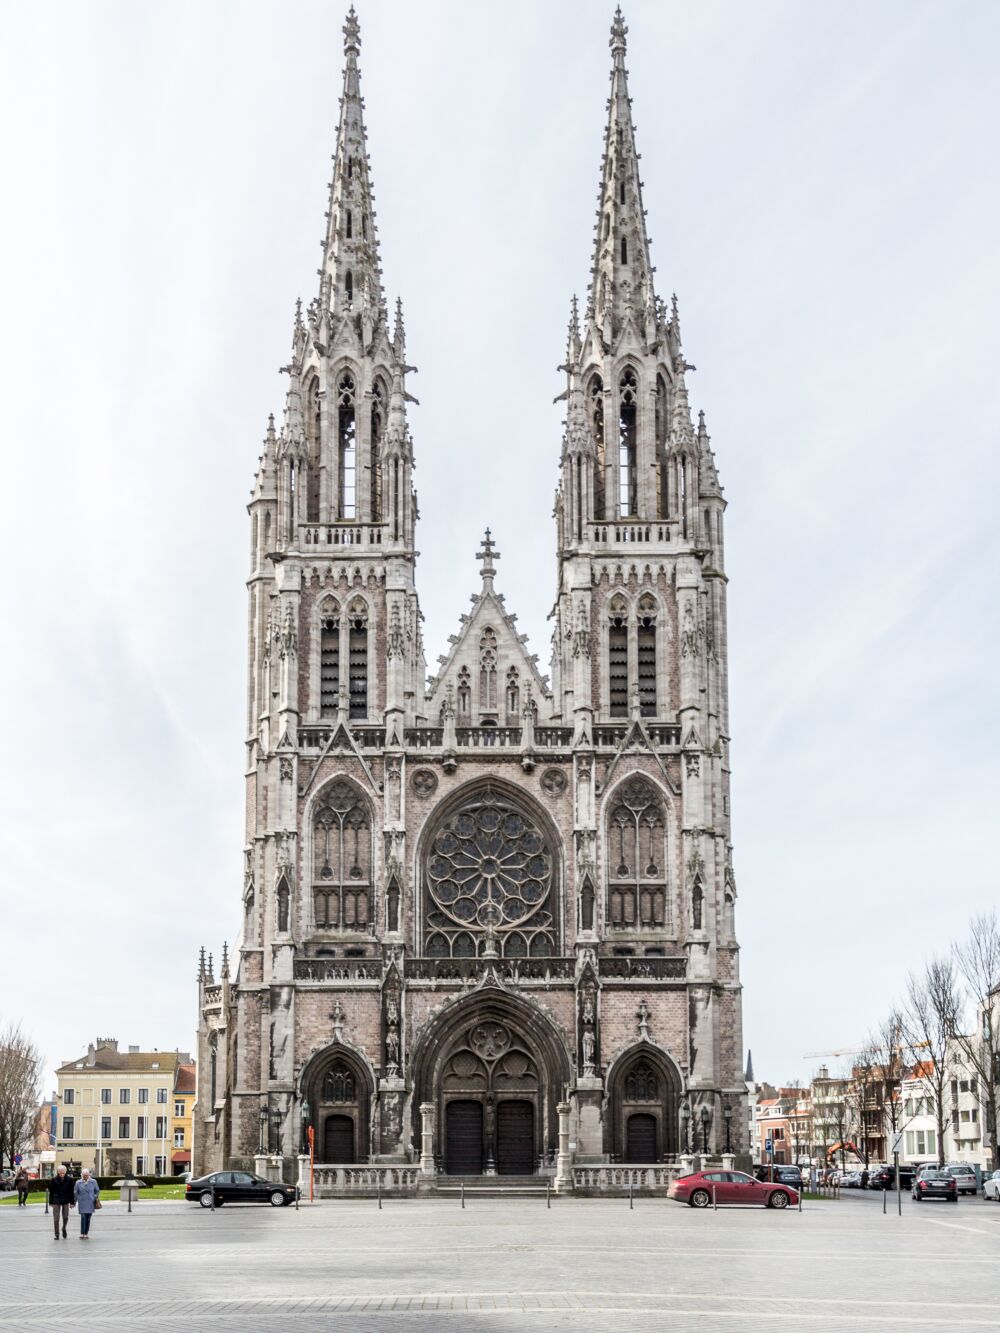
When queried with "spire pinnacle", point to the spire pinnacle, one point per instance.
{"points": [[351, 275], [621, 280], [488, 554]]}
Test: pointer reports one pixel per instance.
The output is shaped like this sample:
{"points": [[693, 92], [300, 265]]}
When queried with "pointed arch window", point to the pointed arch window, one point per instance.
{"points": [[621, 191], [641, 1084], [660, 431], [488, 671], [646, 644], [377, 429], [364, 227], [347, 444], [595, 399], [637, 859], [627, 472], [342, 860], [624, 250], [464, 693], [357, 649], [339, 1085], [329, 659], [513, 694], [282, 902], [350, 225], [312, 430], [618, 659], [682, 494]]}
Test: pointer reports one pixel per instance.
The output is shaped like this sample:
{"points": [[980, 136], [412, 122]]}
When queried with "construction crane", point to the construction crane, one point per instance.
{"points": [[818, 1055]]}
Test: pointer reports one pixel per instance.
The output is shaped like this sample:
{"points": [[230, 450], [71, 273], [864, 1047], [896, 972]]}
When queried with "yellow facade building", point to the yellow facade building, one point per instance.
{"points": [[120, 1111]]}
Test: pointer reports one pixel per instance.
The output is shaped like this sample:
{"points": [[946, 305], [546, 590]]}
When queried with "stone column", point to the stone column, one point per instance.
{"points": [[303, 1174], [729, 1161], [564, 1160], [687, 1163], [427, 1138], [260, 1162]]}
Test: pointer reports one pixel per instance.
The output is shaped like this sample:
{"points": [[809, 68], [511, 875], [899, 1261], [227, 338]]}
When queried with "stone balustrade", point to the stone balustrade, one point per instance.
{"points": [[618, 1179], [330, 1182]]}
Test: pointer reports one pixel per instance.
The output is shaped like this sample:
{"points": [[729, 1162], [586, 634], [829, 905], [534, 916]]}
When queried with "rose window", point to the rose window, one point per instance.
{"points": [[489, 880]]}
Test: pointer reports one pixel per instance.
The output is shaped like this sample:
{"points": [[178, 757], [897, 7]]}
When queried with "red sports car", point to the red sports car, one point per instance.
{"points": [[730, 1187]]}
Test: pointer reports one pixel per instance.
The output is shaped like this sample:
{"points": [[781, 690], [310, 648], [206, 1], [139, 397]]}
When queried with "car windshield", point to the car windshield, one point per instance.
{"points": [[936, 1175]]}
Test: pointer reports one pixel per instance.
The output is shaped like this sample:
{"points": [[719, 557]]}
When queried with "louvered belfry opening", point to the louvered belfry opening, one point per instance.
{"points": [[618, 663], [646, 641], [329, 665], [358, 663]]}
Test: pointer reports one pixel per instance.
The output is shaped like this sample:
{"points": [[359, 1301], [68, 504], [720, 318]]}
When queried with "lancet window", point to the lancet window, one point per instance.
{"points": [[329, 660], [646, 644], [627, 474], [595, 397], [488, 671], [489, 881], [342, 860], [312, 429], [357, 659], [513, 694], [377, 429], [347, 442], [637, 859], [282, 897], [660, 430], [618, 659], [339, 1084], [641, 1084], [464, 693]]}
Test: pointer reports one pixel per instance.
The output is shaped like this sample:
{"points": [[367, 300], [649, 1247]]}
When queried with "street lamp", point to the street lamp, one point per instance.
{"points": [[706, 1118], [304, 1113], [275, 1137], [263, 1128], [686, 1126], [727, 1115]]}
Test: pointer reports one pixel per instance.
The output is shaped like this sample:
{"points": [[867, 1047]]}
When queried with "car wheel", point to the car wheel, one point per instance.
{"points": [[205, 1199], [700, 1199], [779, 1199], [277, 1199]]}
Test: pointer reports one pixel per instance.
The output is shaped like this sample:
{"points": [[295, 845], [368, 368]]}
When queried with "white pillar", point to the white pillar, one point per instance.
{"points": [[564, 1160], [427, 1138]]}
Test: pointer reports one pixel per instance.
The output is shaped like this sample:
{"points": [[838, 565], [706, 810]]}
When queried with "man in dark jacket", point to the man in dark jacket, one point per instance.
{"points": [[22, 1184], [61, 1198]]}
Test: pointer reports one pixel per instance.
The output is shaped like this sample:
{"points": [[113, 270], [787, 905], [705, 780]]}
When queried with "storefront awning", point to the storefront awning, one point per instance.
{"points": [[182, 1156]]}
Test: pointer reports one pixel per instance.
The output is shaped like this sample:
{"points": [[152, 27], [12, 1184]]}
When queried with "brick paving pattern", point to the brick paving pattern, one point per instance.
{"points": [[506, 1265]]}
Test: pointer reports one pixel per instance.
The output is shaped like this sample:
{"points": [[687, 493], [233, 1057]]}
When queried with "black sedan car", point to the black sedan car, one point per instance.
{"points": [[935, 1184], [238, 1187]]}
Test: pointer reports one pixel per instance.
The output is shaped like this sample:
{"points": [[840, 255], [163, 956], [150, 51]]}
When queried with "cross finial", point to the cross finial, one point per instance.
{"points": [[488, 554], [352, 34]]}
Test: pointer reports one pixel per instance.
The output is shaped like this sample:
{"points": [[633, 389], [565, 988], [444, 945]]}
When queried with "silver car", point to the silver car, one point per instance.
{"points": [[991, 1186], [965, 1177]]}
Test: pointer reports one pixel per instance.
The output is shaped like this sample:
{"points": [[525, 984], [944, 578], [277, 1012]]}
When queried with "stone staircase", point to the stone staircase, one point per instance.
{"points": [[490, 1187]]}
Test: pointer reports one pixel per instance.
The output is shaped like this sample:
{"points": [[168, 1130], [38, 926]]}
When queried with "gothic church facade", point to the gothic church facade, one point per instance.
{"points": [[477, 905]]}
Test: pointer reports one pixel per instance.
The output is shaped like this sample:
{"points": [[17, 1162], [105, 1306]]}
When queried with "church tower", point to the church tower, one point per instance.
{"points": [[491, 913]]}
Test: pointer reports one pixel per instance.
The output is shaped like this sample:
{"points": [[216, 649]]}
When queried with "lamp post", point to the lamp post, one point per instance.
{"points": [[304, 1112], [686, 1126], [706, 1119], [727, 1115], [274, 1144], [262, 1117]]}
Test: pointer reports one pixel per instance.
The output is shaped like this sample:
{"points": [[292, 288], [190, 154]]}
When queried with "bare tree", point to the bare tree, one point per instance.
{"points": [[978, 963], [20, 1075], [931, 1020], [889, 1060]]}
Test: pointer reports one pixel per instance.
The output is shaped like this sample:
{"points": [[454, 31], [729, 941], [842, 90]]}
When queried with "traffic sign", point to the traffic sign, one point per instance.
{"points": [[768, 1145], [18, 1159]]}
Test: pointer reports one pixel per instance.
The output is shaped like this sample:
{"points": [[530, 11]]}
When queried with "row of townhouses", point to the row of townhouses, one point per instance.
{"points": [[856, 1118]]}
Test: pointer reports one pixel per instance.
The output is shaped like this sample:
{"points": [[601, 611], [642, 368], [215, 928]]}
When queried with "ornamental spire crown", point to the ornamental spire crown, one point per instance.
{"points": [[621, 279], [351, 276]]}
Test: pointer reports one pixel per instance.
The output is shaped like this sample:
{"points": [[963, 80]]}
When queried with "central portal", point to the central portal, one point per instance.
{"points": [[516, 1138]]}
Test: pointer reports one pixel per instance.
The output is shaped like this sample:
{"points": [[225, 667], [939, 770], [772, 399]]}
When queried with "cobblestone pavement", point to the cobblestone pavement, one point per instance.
{"points": [[506, 1265]]}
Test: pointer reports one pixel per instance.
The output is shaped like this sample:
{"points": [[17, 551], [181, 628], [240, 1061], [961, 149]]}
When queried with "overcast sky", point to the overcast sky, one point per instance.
{"points": [[822, 193]]}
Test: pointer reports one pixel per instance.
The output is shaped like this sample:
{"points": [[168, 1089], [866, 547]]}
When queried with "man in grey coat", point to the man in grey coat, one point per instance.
{"points": [[61, 1198], [86, 1194]]}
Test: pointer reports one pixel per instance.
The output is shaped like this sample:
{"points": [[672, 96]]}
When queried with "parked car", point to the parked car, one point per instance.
{"points": [[991, 1186], [933, 1183], [965, 1177], [780, 1174], [730, 1187], [850, 1180], [238, 1187], [884, 1177], [6, 1179]]}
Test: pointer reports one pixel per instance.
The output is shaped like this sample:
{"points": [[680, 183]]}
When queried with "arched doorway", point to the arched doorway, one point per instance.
{"points": [[338, 1088], [494, 1065], [644, 1090]]}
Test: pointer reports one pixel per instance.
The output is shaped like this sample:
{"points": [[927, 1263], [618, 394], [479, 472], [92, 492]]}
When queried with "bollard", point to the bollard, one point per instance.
{"points": [[463, 1193], [801, 1192], [213, 1196], [548, 1192], [380, 1193], [630, 1195], [884, 1193], [715, 1202], [297, 1193]]}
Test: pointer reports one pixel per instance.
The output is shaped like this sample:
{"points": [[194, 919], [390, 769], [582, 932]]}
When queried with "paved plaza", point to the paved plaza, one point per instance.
{"points": [[508, 1264]]}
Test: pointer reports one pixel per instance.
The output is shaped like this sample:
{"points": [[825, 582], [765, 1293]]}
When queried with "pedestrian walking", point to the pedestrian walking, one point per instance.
{"points": [[22, 1184], [61, 1198], [864, 1178], [87, 1194]]}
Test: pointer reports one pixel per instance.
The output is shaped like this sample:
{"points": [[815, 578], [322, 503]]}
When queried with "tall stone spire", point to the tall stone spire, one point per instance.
{"points": [[621, 275], [351, 276]]}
